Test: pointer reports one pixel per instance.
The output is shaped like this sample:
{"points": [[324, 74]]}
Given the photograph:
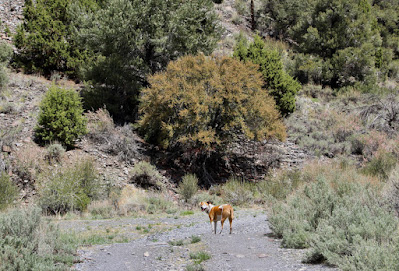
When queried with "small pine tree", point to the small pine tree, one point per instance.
{"points": [[44, 40], [60, 118], [281, 86]]}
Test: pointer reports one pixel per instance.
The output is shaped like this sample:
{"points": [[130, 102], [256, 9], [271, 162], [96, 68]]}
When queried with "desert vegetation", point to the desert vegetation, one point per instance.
{"points": [[168, 108]]}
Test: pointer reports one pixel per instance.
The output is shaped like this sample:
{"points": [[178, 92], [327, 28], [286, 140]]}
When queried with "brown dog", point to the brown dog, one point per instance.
{"points": [[218, 213]]}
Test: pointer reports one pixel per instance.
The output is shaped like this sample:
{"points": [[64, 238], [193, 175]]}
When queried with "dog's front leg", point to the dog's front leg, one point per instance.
{"points": [[215, 225]]}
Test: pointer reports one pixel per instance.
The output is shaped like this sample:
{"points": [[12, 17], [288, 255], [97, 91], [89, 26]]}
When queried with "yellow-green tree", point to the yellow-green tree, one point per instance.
{"points": [[206, 102]]}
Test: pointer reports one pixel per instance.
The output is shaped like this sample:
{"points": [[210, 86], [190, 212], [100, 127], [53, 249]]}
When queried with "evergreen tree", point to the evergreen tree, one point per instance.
{"points": [[61, 117], [44, 39], [281, 86], [136, 38]]}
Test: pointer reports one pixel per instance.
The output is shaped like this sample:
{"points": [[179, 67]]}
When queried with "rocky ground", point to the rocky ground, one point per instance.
{"points": [[250, 247], [10, 17]]}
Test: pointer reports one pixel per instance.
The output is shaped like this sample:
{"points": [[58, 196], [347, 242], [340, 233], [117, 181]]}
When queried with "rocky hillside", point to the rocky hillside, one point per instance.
{"points": [[116, 149]]}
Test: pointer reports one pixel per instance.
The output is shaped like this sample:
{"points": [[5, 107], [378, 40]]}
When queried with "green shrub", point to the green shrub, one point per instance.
{"points": [[146, 175], [158, 203], [55, 152], [28, 242], [8, 191], [195, 239], [188, 186], [232, 102], [69, 188], [177, 242], [280, 85], [381, 165], [44, 40], [282, 185], [307, 68], [205, 196], [353, 65], [163, 31], [357, 222], [101, 209], [341, 218], [238, 192], [200, 256], [60, 118], [5, 55], [242, 7]]}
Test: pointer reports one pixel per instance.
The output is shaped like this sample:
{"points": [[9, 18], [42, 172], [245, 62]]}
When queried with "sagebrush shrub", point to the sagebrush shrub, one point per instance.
{"points": [[341, 218], [8, 191], [188, 186], [381, 165], [146, 175], [28, 242], [55, 152], [238, 192], [357, 219], [69, 188], [61, 117]]}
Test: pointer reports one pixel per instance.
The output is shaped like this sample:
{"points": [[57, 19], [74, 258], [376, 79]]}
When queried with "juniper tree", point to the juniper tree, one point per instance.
{"points": [[281, 86], [136, 38]]}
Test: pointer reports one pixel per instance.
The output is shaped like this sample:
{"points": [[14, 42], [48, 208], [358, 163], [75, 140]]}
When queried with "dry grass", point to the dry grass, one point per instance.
{"points": [[29, 161]]}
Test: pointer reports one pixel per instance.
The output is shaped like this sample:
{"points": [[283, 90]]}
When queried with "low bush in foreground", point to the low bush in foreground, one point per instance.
{"points": [[28, 242], [340, 216]]}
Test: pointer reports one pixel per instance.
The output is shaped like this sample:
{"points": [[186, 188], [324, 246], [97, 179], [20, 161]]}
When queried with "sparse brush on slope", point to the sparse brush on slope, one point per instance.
{"points": [[8, 191]]}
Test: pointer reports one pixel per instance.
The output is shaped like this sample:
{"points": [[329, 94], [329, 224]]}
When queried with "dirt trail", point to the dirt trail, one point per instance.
{"points": [[248, 248]]}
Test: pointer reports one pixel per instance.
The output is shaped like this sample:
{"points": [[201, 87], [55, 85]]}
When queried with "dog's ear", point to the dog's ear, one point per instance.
{"points": [[209, 202]]}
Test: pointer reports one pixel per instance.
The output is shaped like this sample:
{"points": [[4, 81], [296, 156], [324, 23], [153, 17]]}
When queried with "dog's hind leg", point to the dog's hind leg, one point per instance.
{"points": [[222, 221], [231, 222]]}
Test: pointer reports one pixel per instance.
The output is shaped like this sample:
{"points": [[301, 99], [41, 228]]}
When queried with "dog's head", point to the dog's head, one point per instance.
{"points": [[205, 206]]}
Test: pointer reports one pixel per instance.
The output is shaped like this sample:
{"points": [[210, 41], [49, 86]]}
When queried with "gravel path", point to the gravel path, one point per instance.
{"points": [[248, 248]]}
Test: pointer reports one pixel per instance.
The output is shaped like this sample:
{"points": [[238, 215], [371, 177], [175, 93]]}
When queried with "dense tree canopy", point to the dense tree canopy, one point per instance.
{"points": [[44, 38], [281, 86], [204, 102], [135, 38], [356, 39]]}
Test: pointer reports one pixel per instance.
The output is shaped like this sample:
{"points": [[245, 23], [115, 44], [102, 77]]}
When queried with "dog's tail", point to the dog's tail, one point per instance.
{"points": [[231, 213]]}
